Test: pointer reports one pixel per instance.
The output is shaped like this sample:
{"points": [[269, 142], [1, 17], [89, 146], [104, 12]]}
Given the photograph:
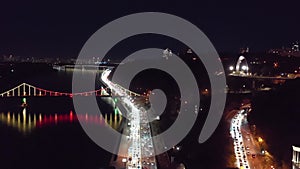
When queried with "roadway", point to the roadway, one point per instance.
{"points": [[239, 146], [263, 77], [247, 148], [136, 146]]}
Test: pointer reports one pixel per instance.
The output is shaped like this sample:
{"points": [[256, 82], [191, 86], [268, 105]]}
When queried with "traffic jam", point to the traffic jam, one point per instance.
{"points": [[239, 148], [141, 150]]}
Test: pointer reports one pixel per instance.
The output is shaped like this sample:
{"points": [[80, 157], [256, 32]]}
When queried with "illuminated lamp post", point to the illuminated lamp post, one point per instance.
{"points": [[124, 160]]}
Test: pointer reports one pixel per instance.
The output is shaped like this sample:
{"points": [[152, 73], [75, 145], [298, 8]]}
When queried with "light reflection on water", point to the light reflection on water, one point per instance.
{"points": [[26, 122], [48, 140]]}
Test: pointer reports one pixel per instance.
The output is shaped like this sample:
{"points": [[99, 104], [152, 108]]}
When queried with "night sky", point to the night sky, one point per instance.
{"points": [[60, 29]]}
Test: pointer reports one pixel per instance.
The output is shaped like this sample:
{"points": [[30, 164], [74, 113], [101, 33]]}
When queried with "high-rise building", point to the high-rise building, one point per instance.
{"points": [[296, 157]]}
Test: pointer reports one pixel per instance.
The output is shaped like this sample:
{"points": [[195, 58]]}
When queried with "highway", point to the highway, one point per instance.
{"points": [[139, 151], [247, 147], [239, 146]]}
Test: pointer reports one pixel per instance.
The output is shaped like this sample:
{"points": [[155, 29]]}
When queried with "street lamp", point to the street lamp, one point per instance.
{"points": [[231, 68], [124, 160], [244, 67]]}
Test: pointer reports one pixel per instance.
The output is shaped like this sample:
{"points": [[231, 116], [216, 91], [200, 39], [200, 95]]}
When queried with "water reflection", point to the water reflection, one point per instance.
{"points": [[26, 122]]}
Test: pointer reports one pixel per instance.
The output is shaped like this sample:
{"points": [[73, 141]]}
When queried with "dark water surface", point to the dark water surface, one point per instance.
{"points": [[58, 141]]}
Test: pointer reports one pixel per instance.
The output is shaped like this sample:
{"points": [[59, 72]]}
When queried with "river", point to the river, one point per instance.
{"points": [[50, 137]]}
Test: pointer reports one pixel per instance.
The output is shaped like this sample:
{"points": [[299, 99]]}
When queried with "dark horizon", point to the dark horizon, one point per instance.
{"points": [[61, 29]]}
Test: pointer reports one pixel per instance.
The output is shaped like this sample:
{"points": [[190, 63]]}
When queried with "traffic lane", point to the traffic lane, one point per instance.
{"points": [[254, 158], [255, 161], [239, 148], [135, 135]]}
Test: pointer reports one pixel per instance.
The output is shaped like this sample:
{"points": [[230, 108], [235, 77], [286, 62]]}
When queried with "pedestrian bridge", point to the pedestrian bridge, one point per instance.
{"points": [[26, 90]]}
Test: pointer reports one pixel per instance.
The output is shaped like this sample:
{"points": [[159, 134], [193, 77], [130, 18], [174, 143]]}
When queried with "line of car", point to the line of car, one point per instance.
{"points": [[239, 149], [141, 150]]}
